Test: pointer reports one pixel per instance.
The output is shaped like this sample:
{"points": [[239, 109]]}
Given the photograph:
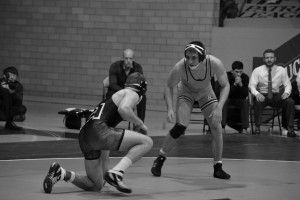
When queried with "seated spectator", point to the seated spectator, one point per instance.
{"points": [[118, 74], [295, 96], [238, 95], [264, 85], [11, 97]]}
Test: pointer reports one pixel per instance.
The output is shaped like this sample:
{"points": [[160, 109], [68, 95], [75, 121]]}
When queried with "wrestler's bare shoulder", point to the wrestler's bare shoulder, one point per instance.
{"points": [[127, 93], [179, 66]]}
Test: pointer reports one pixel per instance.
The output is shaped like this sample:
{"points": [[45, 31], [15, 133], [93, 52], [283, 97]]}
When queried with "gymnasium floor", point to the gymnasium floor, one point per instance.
{"points": [[262, 167]]}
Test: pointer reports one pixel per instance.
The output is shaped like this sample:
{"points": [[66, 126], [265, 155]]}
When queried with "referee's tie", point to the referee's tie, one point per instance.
{"points": [[270, 94]]}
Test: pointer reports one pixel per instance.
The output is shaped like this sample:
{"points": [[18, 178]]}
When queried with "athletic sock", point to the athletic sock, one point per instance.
{"points": [[215, 162], [162, 153], [124, 163], [63, 173], [69, 176]]}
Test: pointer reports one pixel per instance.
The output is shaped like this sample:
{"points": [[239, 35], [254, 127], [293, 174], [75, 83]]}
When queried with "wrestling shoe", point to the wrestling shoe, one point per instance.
{"points": [[115, 178], [219, 173], [52, 177], [157, 165]]}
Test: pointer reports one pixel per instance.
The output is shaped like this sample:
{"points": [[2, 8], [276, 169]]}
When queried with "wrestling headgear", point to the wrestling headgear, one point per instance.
{"points": [[197, 46], [138, 82]]}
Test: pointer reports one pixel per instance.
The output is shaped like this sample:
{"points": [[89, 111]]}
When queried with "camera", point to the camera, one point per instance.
{"points": [[11, 85]]}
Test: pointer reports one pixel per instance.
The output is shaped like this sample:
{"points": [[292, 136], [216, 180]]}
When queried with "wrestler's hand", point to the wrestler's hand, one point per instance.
{"points": [[216, 116], [171, 116], [142, 129]]}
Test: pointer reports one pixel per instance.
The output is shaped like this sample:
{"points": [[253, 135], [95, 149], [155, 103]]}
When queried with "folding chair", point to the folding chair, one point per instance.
{"points": [[297, 118], [268, 116]]}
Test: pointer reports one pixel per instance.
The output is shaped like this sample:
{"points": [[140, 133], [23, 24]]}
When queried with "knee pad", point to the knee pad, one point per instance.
{"points": [[177, 131]]}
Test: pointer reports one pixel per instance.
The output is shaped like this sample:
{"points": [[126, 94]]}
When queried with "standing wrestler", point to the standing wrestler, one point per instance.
{"points": [[192, 76], [99, 135]]}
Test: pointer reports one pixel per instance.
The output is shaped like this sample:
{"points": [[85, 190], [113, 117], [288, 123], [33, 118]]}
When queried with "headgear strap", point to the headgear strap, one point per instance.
{"points": [[140, 88], [199, 49]]}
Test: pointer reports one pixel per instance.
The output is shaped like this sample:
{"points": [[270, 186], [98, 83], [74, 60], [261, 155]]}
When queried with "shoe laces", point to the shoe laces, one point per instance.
{"points": [[55, 176], [157, 164], [159, 161], [117, 176]]}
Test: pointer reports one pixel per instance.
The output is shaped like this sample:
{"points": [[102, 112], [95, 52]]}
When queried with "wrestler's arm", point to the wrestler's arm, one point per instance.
{"points": [[126, 107], [219, 70], [172, 81]]}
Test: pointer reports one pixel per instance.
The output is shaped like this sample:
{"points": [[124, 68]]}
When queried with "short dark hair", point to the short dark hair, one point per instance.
{"points": [[237, 65], [11, 69], [269, 51]]}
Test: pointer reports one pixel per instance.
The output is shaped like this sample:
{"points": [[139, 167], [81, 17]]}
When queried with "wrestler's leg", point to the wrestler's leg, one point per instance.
{"points": [[95, 169], [92, 181], [216, 130], [217, 142], [183, 115], [137, 146]]}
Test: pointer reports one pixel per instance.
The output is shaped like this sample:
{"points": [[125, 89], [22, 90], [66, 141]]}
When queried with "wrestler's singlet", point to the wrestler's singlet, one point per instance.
{"points": [[107, 111], [194, 85]]}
